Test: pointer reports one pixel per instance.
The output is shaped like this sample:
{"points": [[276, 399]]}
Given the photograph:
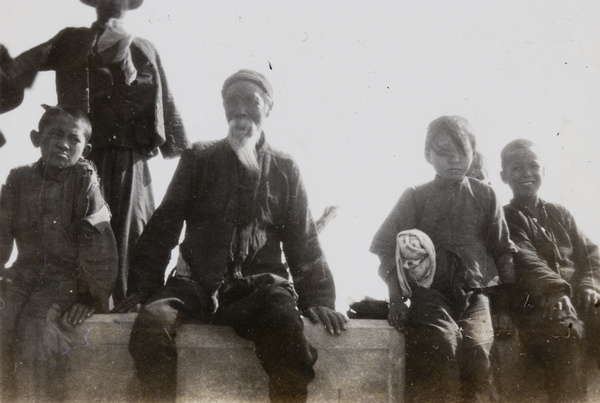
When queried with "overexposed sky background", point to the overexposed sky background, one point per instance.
{"points": [[356, 84]]}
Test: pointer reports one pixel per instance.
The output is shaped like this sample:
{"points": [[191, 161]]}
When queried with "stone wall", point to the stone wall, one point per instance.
{"points": [[364, 364]]}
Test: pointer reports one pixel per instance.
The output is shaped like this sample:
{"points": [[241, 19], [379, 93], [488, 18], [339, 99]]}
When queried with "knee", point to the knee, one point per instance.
{"points": [[564, 334], [154, 325], [156, 313], [281, 312], [284, 320], [480, 344], [433, 342], [567, 335]]}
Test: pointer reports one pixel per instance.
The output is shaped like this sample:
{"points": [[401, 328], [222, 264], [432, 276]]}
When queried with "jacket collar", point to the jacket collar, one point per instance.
{"points": [[48, 173], [539, 203], [446, 183]]}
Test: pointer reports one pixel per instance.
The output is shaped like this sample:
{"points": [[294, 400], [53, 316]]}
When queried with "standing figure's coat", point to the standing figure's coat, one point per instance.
{"points": [[130, 122]]}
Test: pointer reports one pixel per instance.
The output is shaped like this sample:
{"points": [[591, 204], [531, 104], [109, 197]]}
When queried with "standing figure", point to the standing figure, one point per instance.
{"points": [[242, 202], [118, 79], [558, 276], [448, 325], [66, 264]]}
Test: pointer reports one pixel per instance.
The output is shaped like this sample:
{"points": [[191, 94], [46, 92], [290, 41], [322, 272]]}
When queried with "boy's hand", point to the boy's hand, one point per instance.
{"points": [[398, 315], [334, 321], [78, 313], [559, 308], [589, 300]]}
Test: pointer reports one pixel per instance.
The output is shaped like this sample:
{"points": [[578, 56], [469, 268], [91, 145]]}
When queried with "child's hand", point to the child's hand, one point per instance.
{"points": [[589, 300], [559, 308], [78, 313], [398, 315]]}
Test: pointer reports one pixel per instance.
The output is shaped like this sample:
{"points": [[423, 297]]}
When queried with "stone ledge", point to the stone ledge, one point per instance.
{"points": [[365, 363]]}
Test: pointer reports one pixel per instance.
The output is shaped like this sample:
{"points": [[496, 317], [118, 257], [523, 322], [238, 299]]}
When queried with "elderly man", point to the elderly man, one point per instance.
{"points": [[242, 202], [118, 79]]}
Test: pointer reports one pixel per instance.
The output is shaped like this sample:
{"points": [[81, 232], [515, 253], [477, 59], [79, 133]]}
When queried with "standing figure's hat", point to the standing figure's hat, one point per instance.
{"points": [[133, 4]]}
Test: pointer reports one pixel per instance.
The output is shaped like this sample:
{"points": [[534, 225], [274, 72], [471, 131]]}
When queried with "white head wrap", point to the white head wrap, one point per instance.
{"points": [[411, 246]]}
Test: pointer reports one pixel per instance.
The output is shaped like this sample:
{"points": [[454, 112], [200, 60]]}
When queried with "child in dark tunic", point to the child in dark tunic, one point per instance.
{"points": [[558, 277], [448, 326], [66, 264]]}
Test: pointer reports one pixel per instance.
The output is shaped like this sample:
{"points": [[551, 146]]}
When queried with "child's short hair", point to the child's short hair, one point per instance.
{"points": [[74, 113], [513, 146], [459, 130]]}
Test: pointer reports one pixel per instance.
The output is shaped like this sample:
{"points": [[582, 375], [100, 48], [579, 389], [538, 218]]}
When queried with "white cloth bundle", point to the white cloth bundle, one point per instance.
{"points": [[116, 39], [415, 260]]}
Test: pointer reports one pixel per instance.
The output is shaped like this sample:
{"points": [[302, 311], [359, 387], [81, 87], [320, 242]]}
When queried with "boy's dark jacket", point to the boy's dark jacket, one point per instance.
{"points": [[61, 227], [554, 256]]}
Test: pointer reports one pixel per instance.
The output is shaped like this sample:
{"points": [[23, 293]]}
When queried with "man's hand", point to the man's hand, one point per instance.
{"points": [[398, 315], [132, 303], [559, 308], [334, 321], [78, 313], [589, 300]]}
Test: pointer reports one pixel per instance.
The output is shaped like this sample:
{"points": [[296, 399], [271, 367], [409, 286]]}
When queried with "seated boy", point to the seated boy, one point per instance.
{"points": [[558, 275], [66, 263]]}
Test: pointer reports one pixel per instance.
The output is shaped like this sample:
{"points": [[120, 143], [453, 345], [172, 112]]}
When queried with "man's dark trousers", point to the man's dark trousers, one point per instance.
{"points": [[266, 315]]}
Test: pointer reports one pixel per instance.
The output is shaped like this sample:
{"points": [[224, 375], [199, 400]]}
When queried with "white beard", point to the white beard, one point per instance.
{"points": [[242, 137]]}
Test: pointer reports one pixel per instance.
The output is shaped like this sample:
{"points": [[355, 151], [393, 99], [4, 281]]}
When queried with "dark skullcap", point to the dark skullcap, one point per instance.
{"points": [[250, 76]]}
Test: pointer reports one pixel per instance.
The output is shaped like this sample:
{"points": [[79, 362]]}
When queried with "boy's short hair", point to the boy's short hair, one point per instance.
{"points": [[74, 113], [513, 146], [457, 127]]}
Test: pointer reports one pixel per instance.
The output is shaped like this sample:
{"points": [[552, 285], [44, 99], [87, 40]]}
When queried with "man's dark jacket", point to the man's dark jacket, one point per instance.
{"points": [[145, 108], [212, 194]]}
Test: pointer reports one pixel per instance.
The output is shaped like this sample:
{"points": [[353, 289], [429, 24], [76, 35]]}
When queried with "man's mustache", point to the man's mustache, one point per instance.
{"points": [[243, 120]]}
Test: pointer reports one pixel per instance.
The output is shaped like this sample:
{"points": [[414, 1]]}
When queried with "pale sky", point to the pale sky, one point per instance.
{"points": [[356, 84]]}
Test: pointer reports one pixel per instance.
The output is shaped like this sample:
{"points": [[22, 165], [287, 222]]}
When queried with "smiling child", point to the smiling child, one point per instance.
{"points": [[558, 276]]}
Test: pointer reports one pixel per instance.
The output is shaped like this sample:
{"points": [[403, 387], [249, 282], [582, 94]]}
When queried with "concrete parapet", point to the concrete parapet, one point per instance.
{"points": [[364, 364]]}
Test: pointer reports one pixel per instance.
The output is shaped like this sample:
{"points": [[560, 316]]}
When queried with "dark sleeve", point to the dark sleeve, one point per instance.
{"points": [[175, 136], [498, 241], [585, 256], [8, 204], [65, 50], [11, 92], [161, 234], [20, 72], [532, 271], [97, 249], [402, 217], [313, 280]]}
